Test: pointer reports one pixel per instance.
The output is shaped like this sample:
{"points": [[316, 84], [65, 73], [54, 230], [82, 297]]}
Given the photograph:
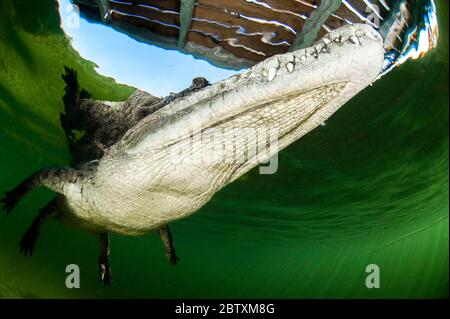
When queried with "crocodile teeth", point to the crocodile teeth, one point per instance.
{"points": [[290, 58], [265, 73], [275, 64], [326, 41], [272, 74], [319, 47], [338, 39], [290, 67], [372, 35], [354, 39]]}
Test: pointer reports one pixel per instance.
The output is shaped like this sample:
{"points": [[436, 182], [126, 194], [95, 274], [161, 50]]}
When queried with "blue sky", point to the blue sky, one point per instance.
{"points": [[150, 68]]}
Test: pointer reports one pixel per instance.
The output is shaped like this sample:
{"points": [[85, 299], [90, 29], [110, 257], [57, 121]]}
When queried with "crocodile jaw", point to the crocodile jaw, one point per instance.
{"points": [[349, 54], [140, 185]]}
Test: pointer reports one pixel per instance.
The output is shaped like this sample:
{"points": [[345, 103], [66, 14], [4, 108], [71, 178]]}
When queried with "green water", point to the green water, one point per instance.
{"points": [[370, 187]]}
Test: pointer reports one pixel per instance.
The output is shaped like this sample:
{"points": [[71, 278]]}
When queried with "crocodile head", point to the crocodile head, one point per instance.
{"points": [[291, 93]]}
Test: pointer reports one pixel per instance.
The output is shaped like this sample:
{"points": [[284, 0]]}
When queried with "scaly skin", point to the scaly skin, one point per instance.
{"points": [[148, 179], [138, 186]]}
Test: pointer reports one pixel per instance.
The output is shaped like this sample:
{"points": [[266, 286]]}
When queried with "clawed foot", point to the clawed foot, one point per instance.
{"points": [[105, 274], [173, 259], [70, 77], [9, 201], [28, 241]]}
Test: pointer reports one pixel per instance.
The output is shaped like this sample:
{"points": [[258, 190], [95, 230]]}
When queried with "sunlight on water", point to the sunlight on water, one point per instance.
{"points": [[153, 69]]}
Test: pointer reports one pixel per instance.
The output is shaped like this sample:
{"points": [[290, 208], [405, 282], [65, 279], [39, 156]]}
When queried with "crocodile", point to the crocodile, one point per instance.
{"points": [[133, 171]]}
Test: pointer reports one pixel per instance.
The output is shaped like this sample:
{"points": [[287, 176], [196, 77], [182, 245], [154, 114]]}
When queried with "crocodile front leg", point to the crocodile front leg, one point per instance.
{"points": [[103, 123], [167, 239], [103, 260]]}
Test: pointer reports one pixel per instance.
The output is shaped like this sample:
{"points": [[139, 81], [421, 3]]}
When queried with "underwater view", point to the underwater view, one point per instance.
{"points": [[369, 186]]}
